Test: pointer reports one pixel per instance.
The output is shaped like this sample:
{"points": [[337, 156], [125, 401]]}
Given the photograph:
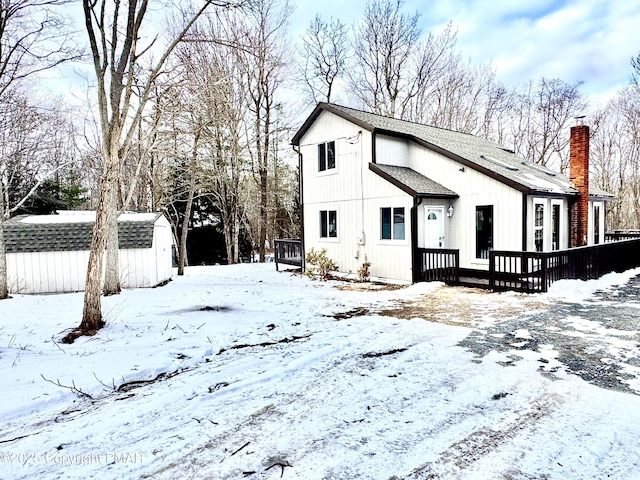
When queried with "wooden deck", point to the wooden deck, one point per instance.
{"points": [[289, 252], [528, 272]]}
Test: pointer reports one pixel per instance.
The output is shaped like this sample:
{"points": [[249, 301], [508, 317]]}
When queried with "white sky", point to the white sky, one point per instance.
{"points": [[574, 40]]}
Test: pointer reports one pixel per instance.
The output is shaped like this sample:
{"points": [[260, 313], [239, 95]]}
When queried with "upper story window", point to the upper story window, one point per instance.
{"points": [[392, 223], [326, 156]]}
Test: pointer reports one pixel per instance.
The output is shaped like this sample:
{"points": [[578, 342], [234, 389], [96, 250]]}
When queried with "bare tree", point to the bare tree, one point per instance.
{"points": [[33, 38], [323, 54], [635, 64], [115, 32], [263, 58], [393, 70], [221, 92], [543, 112]]}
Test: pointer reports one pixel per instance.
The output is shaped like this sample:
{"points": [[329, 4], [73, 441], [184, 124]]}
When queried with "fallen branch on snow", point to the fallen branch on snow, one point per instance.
{"points": [[381, 354], [281, 465], [264, 344], [71, 387], [243, 446], [17, 438]]}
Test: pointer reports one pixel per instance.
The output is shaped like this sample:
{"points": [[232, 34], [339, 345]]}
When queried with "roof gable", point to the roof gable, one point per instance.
{"points": [[33, 233]]}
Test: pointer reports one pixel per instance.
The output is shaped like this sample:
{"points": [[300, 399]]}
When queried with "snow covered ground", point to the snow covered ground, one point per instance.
{"points": [[243, 372]]}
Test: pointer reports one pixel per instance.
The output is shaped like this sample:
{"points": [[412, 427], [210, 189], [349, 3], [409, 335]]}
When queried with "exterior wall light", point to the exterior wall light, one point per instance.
{"points": [[450, 212]]}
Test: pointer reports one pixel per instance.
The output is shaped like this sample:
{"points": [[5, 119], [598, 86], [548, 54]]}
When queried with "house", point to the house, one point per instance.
{"points": [[383, 190], [50, 253]]}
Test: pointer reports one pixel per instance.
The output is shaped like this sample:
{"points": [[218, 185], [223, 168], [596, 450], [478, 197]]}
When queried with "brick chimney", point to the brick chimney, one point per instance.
{"points": [[579, 176]]}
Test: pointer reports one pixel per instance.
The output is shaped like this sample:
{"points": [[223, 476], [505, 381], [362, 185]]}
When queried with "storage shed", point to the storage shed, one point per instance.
{"points": [[50, 253]]}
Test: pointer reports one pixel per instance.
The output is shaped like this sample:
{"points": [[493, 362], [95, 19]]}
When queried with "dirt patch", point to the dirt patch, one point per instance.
{"points": [[356, 286], [354, 312], [215, 308], [462, 306]]}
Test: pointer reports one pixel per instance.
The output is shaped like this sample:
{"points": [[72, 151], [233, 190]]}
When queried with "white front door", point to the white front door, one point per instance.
{"points": [[434, 227]]}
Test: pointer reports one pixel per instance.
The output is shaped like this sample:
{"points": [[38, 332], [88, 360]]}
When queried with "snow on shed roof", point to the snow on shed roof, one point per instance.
{"points": [[71, 231]]}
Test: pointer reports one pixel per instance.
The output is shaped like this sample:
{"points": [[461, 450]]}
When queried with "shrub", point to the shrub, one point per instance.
{"points": [[319, 265], [363, 271]]}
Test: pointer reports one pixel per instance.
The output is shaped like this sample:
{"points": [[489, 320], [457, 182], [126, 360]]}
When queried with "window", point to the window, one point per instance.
{"points": [[326, 156], [392, 223], [328, 224], [484, 231], [555, 227], [538, 227]]}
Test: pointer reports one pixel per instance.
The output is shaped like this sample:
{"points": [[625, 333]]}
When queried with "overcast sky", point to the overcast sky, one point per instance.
{"points": [[587, 40]]}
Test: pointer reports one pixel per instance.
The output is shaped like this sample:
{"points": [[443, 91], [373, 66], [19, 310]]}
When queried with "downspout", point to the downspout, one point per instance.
{"points": [[525, 221], [300, 183], [416, 273]]}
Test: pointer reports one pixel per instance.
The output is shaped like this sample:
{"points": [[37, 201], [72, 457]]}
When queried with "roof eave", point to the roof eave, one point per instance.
{"points": [[461, 160], [408, 190]]}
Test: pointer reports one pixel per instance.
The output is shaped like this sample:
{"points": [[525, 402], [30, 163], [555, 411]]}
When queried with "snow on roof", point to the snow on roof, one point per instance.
{"points": [[540, 183], [84, 216]]}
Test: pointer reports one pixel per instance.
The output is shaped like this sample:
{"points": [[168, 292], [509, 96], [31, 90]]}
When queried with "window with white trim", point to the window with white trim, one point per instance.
{"points": [[326, 156], [484, 231], [328, 224], [538, 227], [555, 226], [392, 223]]}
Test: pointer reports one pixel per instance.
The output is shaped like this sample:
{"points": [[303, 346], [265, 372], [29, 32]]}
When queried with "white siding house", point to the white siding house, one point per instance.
{"points": [[379, 189], [50, 253]]}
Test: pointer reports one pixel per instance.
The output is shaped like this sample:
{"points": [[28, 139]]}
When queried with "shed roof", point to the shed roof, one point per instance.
{"points": [[475, 152], [412, 182], [55, 233]]}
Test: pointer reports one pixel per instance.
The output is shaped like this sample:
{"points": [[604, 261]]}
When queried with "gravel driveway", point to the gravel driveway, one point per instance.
{"points": [[598, 339]]}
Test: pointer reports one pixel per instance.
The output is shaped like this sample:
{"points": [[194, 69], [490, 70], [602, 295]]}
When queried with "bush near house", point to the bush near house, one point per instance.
{"points": [[319, 265]]}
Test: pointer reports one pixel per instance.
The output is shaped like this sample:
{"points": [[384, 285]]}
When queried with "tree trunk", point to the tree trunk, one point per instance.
{"points": [[92, 312], [228, 241], [236, 236], [263, 212], [112, 268], [4, 284], [182, 253]]}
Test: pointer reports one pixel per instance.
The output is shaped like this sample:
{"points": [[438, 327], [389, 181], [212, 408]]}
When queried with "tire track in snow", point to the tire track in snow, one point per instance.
{"points": [[477, 445]]}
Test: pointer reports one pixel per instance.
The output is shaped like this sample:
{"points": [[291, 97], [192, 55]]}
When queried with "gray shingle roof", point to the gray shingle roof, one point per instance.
{"points": [[476, 152], [20, 236], [415, 183]]}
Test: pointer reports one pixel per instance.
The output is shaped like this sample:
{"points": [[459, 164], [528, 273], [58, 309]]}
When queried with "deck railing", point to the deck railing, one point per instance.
{"points": [[438, 265], [534, 271], [619, 235], [289, 252]]}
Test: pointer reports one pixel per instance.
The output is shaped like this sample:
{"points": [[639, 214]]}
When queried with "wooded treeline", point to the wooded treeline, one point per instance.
{"points": [[192, 114]]}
